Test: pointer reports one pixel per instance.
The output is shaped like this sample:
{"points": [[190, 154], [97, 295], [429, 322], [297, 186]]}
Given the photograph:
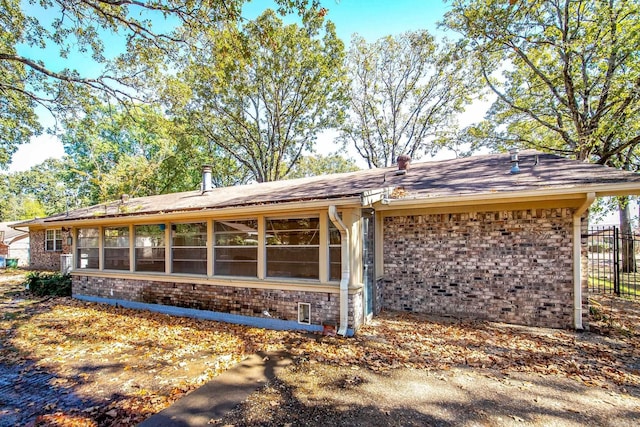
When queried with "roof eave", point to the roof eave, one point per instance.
{"points": [[544, 194], [238, 211]]}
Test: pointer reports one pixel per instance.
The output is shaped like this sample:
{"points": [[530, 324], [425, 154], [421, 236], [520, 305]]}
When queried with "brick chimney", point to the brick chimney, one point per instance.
{"points": [[403, 164]]}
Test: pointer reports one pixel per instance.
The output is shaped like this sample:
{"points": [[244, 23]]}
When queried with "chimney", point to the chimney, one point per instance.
{"points": [[403, 164], [206, 179], [515, 167]]}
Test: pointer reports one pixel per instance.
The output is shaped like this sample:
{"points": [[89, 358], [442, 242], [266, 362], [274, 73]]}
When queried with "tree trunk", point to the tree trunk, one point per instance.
{"points": [[627, 248]]}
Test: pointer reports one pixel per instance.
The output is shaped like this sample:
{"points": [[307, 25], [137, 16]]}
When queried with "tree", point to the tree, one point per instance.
{"points": [[262, 94], [138, 152], [37, 192], [570, 75], [405, 93], [143, 35], [321, 165]]}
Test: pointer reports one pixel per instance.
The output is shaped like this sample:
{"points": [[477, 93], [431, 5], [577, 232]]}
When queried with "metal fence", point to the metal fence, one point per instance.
{"points": [[613, 262]]}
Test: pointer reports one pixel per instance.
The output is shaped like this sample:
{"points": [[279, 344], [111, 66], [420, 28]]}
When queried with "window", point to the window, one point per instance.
{"points": [[335, 253], [53, 240], [150, 245], [293, 248], [87, 251], [189, 248], [236, 248], [116, 248]]}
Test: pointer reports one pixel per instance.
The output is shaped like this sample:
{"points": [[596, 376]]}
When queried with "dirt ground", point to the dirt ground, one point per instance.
{"points": [[69, 363]]}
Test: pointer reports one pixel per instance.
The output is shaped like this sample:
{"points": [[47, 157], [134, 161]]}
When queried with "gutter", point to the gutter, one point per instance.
{"points": [[346, 273], [577, 260], [195, 213]]}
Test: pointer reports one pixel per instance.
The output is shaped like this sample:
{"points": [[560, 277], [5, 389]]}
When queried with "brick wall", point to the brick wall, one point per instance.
{"points": [[281, 304], [512, 266], [40, 259]]}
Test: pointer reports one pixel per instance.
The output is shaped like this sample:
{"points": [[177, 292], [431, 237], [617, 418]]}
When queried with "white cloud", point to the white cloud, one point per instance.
{"points": [[39, 149]]}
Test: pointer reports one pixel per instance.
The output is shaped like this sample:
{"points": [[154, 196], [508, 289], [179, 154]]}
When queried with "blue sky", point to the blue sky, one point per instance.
{"points": [[371, 19]]}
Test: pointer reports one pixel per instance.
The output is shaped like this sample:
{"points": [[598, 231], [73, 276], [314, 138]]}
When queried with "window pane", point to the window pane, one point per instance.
{"points": [[116, 258], [87, 257], [116, 248], [87, 251], [189, 234], [304, 231], [189, 251], [301, 262], [53, 240], [236, 233], [150, 251], [150, 236], [116, 237], [241, 261], [335, 263], [293, 247], [235, 248], [335, 253], [190, 260], [150, 259]]}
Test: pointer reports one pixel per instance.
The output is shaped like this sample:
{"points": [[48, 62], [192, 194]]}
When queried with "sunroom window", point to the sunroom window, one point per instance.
{"points": [[293, 247], [150, 247], [87, 251], [116, 248], [189, 248], [335, 253], [235, 249]]}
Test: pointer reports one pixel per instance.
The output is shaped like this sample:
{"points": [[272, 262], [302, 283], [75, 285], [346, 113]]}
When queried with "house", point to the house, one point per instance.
{"points": [[14, 244], [498, 237]]}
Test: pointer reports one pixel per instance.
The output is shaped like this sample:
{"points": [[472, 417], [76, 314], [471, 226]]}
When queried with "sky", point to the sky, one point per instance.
{"points": [[371, 19]]}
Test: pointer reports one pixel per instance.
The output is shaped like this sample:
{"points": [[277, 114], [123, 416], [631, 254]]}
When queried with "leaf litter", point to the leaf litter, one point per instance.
{"points": [[111, 366]]}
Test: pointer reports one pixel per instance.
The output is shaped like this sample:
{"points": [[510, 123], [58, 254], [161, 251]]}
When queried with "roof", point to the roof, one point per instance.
{"points": [[10, 235], [487, 176]]}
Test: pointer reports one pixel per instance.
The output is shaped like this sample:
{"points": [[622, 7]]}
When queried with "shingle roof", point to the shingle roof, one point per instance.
{"points": [[458, 177]]}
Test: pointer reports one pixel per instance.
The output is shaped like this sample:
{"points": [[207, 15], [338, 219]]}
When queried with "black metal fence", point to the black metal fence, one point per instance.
{"points": [[613, 262]]}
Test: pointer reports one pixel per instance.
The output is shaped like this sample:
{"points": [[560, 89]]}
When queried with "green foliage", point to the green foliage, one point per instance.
{"points": [[566, 75], [321, 165], [405, 94], [37, 192], [139, 152], [128, 43], [48, 284], [262, 92]]}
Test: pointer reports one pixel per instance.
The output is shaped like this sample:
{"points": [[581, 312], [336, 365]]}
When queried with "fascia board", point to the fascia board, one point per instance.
{"points": [[228, 212]]}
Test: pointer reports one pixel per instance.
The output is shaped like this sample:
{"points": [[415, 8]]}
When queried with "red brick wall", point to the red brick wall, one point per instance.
{"points": [[42, 259], [511, 266]]}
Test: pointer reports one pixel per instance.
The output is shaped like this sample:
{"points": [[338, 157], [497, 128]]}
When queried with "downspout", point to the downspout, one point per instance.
{"points": [[346, 273], [577, 260]]}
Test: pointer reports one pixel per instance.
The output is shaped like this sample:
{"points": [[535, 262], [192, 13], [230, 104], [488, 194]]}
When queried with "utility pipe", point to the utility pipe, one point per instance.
{"points": [[577, 260], [346, 272]]}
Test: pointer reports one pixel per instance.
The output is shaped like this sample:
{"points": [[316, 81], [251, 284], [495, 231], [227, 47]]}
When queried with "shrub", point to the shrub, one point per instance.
{"points": [[53, 284]]}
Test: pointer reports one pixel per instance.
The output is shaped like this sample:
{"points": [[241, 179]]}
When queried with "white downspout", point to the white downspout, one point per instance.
{"points": [[577, 260], [346, 272]]}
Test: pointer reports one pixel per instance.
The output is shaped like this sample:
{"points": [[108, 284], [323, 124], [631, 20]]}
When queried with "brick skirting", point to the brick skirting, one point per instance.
{"points": [[247, 301]]}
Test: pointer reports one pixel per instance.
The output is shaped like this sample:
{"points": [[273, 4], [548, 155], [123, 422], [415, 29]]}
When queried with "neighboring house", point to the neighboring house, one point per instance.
{"points": [[14, 243], [467, 238]]}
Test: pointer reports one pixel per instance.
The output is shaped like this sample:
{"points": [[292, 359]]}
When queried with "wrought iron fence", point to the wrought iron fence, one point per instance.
{"points": [[613, 262]]}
